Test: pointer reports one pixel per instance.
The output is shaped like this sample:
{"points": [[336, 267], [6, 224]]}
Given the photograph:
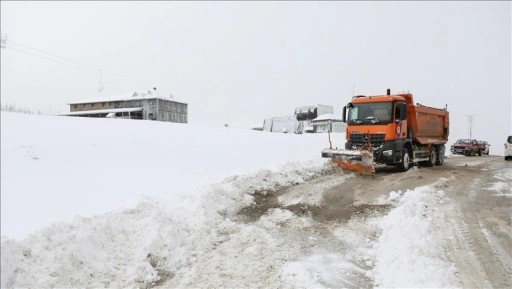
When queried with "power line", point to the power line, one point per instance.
{"points": [[63, 60], [53, 55], [47, 58]]}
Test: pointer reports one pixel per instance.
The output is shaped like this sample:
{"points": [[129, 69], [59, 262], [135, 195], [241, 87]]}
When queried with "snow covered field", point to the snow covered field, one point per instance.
{"points": [[84, 166], [109, 203]]}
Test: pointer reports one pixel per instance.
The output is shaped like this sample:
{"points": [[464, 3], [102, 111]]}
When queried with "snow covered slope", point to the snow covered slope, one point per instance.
{"points": [[54, 168]]}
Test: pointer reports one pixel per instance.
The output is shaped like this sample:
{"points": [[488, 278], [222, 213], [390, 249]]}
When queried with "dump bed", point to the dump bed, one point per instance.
{"points": [[428, 125]]}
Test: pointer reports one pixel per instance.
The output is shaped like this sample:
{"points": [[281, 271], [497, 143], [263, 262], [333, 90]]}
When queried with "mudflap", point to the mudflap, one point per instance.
{"points": [[359, 161]]}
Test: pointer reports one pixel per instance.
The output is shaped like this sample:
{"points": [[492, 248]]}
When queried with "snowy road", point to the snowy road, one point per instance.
{"points": [[481, 217], [341, 231]]}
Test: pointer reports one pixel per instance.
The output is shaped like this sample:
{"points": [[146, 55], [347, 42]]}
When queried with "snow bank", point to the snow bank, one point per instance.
{"points": [[410, 251], [147, 242]]}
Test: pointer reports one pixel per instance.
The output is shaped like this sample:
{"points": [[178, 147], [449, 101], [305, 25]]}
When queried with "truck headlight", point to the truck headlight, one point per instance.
{"points": [[387, 153]]}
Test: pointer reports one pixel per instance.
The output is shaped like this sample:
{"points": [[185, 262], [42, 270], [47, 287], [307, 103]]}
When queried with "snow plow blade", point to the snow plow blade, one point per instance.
{"points": [[355, 161]]}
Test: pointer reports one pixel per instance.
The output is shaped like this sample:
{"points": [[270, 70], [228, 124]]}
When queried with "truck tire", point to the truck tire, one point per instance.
{"points": [[440, 155], [479, 153], [433, 157], [404, 163]]}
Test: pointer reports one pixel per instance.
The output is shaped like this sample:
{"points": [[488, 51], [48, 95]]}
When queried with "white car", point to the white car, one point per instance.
{"points": [[508, 148]]}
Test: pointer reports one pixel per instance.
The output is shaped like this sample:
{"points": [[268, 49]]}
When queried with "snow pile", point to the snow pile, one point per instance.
{"points": [[321, 267], [411, 248], [151, 241], [249, 256]]}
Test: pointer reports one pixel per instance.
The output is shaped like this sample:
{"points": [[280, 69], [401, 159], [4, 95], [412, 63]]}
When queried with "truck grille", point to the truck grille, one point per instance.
{"points": [[359, 138]]}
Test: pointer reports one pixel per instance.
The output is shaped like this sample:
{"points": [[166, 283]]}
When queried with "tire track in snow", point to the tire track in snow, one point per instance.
{"points": [[463, 254], [501, 254], [481, 232]]}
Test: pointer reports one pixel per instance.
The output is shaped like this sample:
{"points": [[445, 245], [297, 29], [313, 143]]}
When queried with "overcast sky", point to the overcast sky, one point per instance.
{"points": [[241, 62]]}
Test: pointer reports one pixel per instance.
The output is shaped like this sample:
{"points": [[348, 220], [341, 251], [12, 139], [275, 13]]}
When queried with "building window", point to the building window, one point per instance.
{"points": [[111, 104], [84, 106], [93, 105], [104, 104], [75, 106]]}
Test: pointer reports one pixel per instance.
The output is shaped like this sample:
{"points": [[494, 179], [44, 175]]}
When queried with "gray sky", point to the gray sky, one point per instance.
{"points": [[244, 61]]}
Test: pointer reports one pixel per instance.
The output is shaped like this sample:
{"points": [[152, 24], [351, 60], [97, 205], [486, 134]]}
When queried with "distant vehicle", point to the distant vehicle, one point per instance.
{"points": [[508, 148], [305, 114], [467, 147], [485, 145]]}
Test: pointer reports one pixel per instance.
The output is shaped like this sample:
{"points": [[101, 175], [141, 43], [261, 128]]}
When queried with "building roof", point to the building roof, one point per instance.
{"points": [[114, 110], [136, 95]]}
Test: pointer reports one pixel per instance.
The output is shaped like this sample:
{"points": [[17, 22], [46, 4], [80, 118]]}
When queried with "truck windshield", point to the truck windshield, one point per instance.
{"points": [[370, 113]]}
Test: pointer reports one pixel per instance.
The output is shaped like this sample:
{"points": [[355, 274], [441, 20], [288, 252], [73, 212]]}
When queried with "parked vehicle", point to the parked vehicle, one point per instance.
{"points": [[508, 148], [485, 145], [467, 147], [392, 130]]}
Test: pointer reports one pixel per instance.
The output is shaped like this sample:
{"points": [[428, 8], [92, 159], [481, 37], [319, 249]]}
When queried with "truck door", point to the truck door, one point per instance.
{"points": [[400, 119]]}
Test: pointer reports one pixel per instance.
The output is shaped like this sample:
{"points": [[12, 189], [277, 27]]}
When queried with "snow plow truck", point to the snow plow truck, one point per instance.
{"points": [[390, 130]]}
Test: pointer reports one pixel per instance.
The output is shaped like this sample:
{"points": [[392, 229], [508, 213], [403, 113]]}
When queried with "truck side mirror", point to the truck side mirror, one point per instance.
{"points": [[344, 116]]}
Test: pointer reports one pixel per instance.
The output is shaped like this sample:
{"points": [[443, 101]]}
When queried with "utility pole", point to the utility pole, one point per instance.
{"points": [[470, 124]]}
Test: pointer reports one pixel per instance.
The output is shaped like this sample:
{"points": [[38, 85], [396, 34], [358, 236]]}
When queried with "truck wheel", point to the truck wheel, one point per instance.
{"points": [[479, 153], [404, 164], [440, 155], [433, 157]]}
